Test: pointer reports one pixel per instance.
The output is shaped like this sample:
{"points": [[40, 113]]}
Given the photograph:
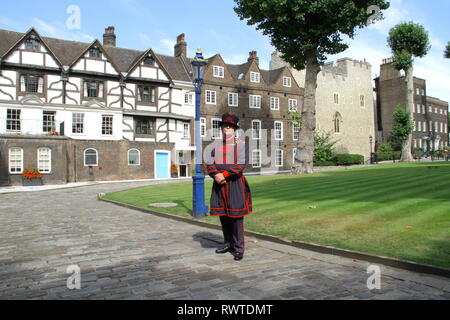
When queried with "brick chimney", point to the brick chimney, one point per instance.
{"points": [[109, 37], [253, 55], [181, 46]]}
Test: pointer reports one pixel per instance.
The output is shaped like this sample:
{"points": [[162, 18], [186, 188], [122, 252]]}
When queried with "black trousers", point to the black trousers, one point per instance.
{"points": [[233, 233]]}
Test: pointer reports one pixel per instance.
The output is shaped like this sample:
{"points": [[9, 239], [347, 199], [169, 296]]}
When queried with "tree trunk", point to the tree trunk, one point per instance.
{"points": [[406, 150], [304, 161]]}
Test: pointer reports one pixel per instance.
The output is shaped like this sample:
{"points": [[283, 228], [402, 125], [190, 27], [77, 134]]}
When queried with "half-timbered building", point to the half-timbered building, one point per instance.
{"points": [[92, 111]]}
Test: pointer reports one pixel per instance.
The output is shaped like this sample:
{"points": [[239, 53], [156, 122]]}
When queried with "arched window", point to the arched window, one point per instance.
{"points": [[337, 122], [90, 157], [134, 157]]}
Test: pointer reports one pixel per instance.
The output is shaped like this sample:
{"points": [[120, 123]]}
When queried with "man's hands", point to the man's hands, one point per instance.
{"points": [[220, 178]]}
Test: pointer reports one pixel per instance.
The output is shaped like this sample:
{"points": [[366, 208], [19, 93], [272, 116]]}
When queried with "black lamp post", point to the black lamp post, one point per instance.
{"points": [[198, 200], [372, 160]]}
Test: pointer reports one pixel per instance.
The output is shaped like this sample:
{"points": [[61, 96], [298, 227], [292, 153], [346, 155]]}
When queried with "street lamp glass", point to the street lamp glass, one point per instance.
{"points": [[198, 66]]}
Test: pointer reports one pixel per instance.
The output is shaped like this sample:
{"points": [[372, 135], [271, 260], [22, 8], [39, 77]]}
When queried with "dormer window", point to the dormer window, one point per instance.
{"points": [[32, 44], [95, 53], [218, 72], [255, 77], [287, 82], [149, 61]]}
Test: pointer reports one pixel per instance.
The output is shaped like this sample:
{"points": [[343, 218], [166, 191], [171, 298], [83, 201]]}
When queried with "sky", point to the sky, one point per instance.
{"points": [[215, 27]]}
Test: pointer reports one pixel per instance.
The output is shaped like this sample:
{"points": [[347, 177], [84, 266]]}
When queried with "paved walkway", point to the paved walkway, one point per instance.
{"points": [[125, 254]]}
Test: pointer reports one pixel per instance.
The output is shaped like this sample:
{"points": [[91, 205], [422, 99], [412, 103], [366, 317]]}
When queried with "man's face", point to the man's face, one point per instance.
{"points": [[228, 130]]}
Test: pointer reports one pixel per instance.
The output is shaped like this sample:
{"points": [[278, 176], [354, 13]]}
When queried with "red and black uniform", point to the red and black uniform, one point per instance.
{"points": [[231, 201]]}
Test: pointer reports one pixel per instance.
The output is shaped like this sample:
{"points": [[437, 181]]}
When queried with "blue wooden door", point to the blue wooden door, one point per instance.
{"points": [[162, 165]]}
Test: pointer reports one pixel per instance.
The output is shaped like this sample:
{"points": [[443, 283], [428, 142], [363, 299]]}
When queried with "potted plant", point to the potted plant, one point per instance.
{"points": [[174, 170], [53, 133], [32, 177]]}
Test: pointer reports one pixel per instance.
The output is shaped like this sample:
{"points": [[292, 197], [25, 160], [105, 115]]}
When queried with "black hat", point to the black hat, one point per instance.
{"points": [[230, 118]]}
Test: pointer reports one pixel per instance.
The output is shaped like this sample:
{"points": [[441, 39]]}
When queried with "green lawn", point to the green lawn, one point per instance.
{"points": [[399, 210]]}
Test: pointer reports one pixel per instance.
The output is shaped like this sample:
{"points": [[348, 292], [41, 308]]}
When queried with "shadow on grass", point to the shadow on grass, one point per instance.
{"points": [[359, 185]]}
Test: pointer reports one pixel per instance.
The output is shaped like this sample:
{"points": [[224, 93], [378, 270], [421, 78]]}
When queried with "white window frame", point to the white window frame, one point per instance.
{"points": [[139, 157], [17, 122], [82, 116], [259, 158], [112, 125], [255, 77], [96, 158], [218, 72], [278, 131], [259, 130], [287, 82], [15, 160], [254, 98], [274, 103], [233, 99], [203, 127], [39, 160], [219, 129], [189, 98], [185, 131], [293, 105], [211, 97], [295, 129], [281, 158]]}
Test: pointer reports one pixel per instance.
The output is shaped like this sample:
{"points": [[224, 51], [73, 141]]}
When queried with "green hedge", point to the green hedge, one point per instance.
{"points": [[388, 156], [348, 159], [341, 160]]}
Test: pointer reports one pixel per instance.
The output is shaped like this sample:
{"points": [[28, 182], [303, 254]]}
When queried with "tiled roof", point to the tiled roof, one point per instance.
{"points": [[68, 52]]}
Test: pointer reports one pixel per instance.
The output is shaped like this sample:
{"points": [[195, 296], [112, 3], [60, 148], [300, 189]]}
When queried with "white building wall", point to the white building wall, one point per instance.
{"points": [[14, 57]]}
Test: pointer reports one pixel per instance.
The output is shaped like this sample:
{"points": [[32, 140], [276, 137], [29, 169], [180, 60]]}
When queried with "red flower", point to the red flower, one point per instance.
{"points": [[32, 174]]}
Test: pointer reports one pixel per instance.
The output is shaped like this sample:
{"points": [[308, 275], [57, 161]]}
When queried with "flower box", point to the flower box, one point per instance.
{"points": [[32, 182], [32, 177]]}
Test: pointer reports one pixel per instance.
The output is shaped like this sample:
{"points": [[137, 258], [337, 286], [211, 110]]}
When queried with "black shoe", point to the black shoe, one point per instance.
{"points": [[238, 256], [224, 250]]}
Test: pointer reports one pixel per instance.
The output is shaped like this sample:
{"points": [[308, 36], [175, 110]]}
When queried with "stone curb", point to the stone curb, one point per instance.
{"points": [[386, 261]]}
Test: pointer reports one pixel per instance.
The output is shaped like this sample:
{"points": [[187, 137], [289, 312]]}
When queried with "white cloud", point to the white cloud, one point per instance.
{"points": [[59, 30], [392, 16]]}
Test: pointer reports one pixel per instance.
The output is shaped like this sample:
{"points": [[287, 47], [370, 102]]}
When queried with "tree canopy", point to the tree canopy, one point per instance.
{"points": [[408, 40], [301, 28], [447, 51]]}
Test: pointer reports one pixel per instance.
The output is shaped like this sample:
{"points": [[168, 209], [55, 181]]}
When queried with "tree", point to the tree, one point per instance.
{"points": [[304, 32], [324, 146], [402, 127], [447, 51], [408, 40]]}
